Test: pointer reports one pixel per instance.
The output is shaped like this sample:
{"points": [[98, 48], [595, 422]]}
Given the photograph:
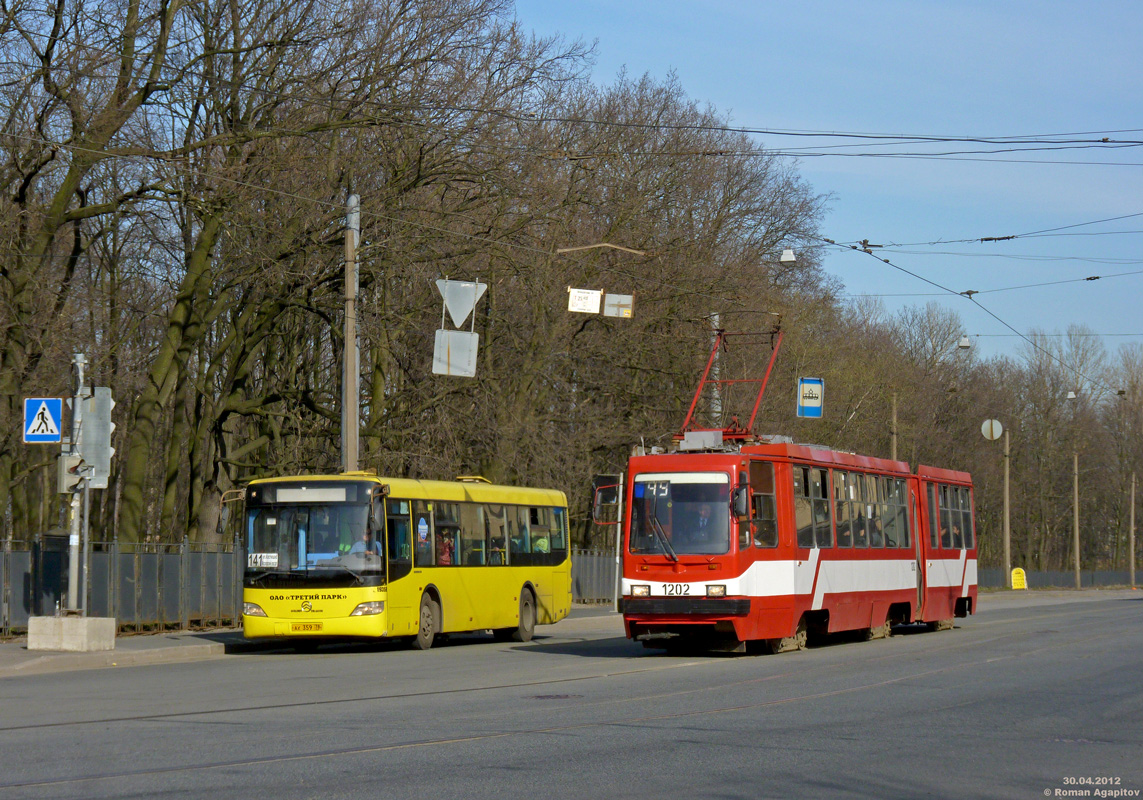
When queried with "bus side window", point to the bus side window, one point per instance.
{"points": [[423, 532], [472, 534], [519, 542], [559, 535], [496, 522], [397, 539], [538, 524]]}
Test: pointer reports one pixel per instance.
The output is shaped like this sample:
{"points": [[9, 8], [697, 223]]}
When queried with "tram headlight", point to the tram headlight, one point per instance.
{"points": [[252, 610], [716, 590], [641, 590], [368, 609]]}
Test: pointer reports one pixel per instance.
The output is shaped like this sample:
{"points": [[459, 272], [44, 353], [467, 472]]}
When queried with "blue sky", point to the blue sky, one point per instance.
{"points": [[953, 69]]}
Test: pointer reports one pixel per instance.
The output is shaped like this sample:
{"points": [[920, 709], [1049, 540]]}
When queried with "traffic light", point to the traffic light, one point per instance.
{"points": [[95, 436], [69, 472]]}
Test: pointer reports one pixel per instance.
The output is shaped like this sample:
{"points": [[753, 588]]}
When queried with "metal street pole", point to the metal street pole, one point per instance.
{"points": [[1007, 518], [1075, 512], [893, 430], [1131, 535], [350, 413], [73, 550]]}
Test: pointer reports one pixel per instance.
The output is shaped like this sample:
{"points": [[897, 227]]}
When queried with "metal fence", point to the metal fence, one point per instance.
{"points": [[149, 587], [593, 576], [993, 578], [145, 587]]}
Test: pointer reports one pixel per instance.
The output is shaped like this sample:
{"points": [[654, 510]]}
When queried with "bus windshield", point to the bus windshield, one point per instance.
{"points": [[312, 537], [681, 513]]}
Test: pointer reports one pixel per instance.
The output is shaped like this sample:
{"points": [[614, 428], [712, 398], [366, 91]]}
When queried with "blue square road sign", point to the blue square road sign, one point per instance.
{"points": [[43, 420]]}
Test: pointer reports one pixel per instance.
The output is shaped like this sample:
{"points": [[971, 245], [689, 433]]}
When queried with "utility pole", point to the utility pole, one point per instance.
{"points": [[350, 412], [893, 430], [1075, 512], [73, 550], [1007, 517], [1131, 535]]}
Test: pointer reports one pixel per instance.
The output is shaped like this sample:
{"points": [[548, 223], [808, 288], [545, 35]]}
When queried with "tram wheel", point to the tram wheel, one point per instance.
{"points": [[788, 644], [880, 632], [941, 625], [427, 631]]}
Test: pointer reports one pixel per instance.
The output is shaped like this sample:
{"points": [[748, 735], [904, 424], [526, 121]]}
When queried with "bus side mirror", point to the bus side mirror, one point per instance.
{"points": [[605, 508], [741, 502]]}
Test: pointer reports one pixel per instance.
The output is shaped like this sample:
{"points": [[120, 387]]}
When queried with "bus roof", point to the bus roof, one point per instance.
{"points": [[456, 491]]}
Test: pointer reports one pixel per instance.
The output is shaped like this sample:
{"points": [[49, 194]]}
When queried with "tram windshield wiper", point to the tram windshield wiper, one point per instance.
{"points": [[657, 529]]}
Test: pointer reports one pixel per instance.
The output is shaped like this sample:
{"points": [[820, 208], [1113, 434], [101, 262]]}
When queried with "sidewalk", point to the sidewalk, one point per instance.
{"points": [[183, 646], [135, 650], [130, 651]]}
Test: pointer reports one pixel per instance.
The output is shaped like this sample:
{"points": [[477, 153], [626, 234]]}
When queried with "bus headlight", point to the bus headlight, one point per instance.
{"points": [[252, 610], [716, 590], [368, 609], [641, 590]]}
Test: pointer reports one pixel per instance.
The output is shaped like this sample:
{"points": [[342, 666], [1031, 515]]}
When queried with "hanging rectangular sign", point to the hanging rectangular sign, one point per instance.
{"points": [[811, 393], [455, 353], [584, 301]]}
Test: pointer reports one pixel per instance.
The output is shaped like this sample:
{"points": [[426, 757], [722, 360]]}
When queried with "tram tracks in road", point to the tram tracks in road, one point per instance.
{"points": [[866, 658], [552, 687]]}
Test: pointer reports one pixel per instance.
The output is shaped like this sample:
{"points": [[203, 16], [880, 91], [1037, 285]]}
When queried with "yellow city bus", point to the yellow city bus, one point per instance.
{"points": [[363, 556]]}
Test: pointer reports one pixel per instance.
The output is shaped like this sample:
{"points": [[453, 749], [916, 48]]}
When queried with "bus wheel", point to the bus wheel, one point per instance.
{"points": [[527, 626], [430, 612]]}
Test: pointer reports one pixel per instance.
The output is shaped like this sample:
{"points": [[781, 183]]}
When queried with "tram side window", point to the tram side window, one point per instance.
{"points": [[872, 498], [812, 507], [446, 517], [934, 518], [969, 532], [765, 521], [858, 511], [947, 517], [843, 496], [894, 518], [803, 510]]}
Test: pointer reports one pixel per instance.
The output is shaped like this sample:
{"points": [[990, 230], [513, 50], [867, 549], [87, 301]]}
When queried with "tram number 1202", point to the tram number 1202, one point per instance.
{"points": [[676, 589]]}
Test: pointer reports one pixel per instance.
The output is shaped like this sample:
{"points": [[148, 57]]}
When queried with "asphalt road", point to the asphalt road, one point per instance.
{"points": [[1030, 698]]}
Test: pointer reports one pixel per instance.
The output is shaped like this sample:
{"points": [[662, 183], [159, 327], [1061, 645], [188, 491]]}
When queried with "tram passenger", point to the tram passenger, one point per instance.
{"points": [[957, 539]]}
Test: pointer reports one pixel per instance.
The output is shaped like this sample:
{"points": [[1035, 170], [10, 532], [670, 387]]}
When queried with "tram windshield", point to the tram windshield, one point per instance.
{"points": [[677, 513], [315, 529]]}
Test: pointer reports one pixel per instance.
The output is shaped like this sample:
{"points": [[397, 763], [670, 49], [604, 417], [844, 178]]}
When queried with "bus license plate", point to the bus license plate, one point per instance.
{"points": [[305, 627]]}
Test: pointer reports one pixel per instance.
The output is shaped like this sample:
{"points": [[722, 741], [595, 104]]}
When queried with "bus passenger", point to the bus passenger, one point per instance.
{"points": [[444, 550]]}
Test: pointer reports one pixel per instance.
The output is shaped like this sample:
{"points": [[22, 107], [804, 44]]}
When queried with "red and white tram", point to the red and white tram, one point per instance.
{"points": [[765, 542]]}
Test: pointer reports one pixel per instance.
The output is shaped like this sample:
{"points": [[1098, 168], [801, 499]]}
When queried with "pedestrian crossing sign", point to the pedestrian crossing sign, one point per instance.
{"points": [[43, 420]]}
